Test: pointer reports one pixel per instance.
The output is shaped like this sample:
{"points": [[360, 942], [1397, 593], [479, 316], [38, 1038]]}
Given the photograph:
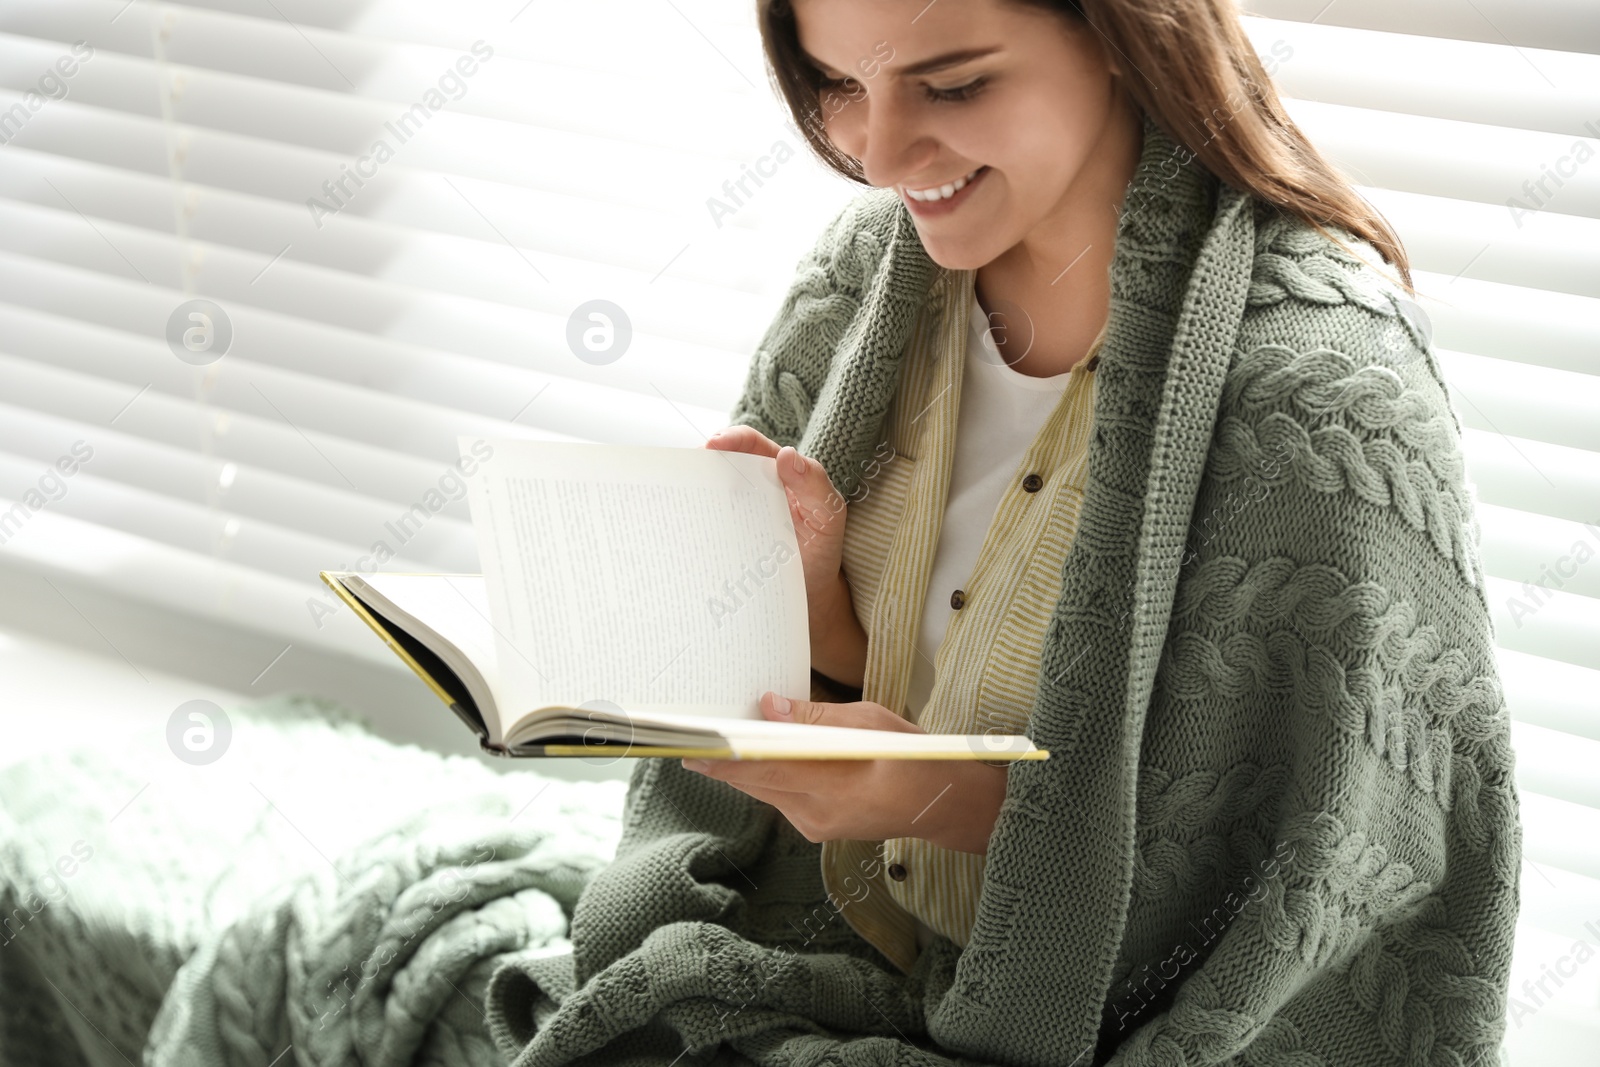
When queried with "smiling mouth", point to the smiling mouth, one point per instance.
{"points": [[935, 193]]}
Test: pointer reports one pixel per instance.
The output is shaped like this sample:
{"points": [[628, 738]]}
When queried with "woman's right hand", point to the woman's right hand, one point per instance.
{"points": [[817, 510], [838, 641]]}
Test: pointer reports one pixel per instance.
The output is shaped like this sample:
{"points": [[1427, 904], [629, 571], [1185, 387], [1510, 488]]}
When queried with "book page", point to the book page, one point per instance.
{"points": [[762, 739], [770, 736], [650, 578]]}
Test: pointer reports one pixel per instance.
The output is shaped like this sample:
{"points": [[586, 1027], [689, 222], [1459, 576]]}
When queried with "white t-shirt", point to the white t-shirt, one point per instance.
{"points": [[1001, 413]]}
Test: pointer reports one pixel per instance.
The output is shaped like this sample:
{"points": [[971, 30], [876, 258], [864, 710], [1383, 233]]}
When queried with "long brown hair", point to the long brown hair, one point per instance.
{"points": [[1215, 99]]}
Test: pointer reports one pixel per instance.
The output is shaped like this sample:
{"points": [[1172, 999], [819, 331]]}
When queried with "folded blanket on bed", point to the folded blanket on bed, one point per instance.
{"points": [[316, 887]]}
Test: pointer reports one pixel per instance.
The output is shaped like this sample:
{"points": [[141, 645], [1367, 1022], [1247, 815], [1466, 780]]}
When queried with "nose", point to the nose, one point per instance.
{"points": [[882, 133]]}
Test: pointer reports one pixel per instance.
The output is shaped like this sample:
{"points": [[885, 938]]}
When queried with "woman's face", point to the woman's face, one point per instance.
{"points": [[1026, 106]]}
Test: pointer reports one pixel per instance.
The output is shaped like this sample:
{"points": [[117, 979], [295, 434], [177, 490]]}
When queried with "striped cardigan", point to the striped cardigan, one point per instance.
{"points": [[988, 662], [1278, 827]]}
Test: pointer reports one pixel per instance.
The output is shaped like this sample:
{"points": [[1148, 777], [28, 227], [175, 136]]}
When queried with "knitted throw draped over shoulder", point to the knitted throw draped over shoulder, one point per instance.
{"points": [[1278, 825]]}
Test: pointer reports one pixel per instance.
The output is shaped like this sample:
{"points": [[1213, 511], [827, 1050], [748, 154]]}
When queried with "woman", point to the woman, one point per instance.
{"points": [[1194, 520]]}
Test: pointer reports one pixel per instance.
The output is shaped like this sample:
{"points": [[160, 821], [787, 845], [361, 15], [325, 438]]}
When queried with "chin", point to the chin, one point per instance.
{"points": [[961, 255]]}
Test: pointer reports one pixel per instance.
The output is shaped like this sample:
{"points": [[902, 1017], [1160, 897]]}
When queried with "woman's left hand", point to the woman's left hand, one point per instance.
{"points": [[952, 803]]}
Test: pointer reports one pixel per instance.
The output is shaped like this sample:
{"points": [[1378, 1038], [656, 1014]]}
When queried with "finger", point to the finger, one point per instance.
{"points": [[814, 497], [860, 715], [742, 439], [768, 796], [773, 776]]}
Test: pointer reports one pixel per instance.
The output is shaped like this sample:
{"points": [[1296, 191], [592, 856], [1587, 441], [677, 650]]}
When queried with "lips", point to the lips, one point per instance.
{"points": [[920, 204], [935, 193]]}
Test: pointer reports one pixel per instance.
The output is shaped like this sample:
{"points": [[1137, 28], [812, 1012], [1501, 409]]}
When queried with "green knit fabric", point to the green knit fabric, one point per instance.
{"points": [[1278, 825], [318, 888]]}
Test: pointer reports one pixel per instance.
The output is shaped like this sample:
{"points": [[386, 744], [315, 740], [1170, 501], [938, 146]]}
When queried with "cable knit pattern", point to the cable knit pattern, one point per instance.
{"points": [[782, 393], [1332, 459], [1278, 827], [1294, 262], [1324, 381], [1179, 844], [1369, 696], [841, 300], [317, 887], [1190, 801], [1417, 980]]}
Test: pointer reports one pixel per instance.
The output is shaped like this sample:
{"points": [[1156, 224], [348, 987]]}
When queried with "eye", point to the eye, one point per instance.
{"points": [[959, 93]]}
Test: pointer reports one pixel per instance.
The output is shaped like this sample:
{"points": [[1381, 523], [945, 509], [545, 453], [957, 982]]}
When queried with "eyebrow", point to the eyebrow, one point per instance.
{"points": [[926, 66]]}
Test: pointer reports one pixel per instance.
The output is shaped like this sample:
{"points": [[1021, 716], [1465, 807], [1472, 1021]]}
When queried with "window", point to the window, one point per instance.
{"points": [[392, 209]]}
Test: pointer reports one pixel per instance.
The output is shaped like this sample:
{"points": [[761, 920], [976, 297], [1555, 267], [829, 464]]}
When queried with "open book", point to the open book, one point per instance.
{"points": [[634, 601]]}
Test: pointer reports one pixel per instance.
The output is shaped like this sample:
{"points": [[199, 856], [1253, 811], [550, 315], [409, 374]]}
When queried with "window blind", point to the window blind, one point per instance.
{"points": [[396, 206], [394, 209]]}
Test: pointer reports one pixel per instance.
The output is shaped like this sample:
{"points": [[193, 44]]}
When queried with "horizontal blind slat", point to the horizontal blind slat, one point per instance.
{"points": [[1531, 475], [150, 572], [268, 101], [434, 528], [1514, 324], [557, 161], [1557, 764], [1559, 833], [1552, 623], [410, 214], [538, 34], [1430, 76], [1521, 546], [1544, 24], [1468, 161], [375, 431], [209, 531], [377, 383], [41, 218], [1462, 240], [1550, 693], [1535, 403], [535, 339]]}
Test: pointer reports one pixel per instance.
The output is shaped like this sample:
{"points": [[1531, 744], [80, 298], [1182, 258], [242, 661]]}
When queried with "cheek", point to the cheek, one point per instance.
{"points": [[1052, 133], [845, 127]]}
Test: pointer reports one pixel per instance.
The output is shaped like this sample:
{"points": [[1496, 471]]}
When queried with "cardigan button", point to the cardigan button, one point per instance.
{"points": [[1094, 361], [1032, 483], [897, 872], [958, 599]]}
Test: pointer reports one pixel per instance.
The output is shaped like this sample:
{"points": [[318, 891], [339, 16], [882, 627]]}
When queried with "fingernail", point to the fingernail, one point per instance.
{"points": [[799, 463], [694, 764], [716, 435], [780, 706]]}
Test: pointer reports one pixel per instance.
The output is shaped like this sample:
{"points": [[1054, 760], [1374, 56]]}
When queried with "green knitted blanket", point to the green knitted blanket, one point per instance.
{"points": [[1278, 826], [316, 894]]}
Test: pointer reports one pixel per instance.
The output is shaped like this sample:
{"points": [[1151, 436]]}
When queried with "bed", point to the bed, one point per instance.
{"points": [[316, 889]]}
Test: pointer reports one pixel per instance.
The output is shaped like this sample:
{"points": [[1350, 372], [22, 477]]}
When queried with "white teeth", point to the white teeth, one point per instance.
{"points": [[941, 192]]}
